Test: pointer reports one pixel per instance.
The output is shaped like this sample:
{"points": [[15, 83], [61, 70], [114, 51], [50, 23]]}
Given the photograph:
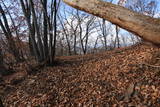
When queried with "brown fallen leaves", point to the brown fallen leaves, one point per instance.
{"points": [[129, 92], [117, 78]]}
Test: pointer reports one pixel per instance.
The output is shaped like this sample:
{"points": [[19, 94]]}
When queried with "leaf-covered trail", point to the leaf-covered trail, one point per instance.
{"points": [[113, 78]]}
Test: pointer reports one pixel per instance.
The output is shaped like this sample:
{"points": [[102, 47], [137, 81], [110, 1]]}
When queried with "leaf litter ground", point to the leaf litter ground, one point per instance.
{"points": [[125, 77]]}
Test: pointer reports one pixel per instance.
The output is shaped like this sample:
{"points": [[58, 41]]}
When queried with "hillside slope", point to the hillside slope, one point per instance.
{"points": [[122, 77]]}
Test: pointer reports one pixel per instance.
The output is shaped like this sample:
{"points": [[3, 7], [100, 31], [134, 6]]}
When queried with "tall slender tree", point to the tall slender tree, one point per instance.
{"points": [[4, 24], [42, 24]]}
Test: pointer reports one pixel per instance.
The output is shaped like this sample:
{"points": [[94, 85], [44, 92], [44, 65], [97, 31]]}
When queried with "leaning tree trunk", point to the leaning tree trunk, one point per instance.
{"points": [[143, 26]]}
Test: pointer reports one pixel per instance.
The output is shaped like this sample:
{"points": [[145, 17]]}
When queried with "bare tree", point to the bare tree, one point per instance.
{"points": [[65, 33], [27, 13], [85, 29], [72, 29], [127, 19], [147, 7], [77, 27], [7, 30], [42, 27], [104, 31], [117, 39]]}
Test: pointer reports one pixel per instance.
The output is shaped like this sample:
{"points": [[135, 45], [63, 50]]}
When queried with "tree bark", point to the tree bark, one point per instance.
{"points": [[27, 13], [1, 104], [66, 35], [45, 28], [2, 68], [143, 26], [39, 40], [53, 50]]}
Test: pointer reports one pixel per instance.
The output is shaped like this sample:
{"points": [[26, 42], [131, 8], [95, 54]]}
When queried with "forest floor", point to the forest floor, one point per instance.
{"points": [[124, 77]]}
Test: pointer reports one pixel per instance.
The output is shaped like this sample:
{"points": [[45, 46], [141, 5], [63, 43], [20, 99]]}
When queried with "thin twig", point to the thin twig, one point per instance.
{"points": [[158, 58], [153, 66]]}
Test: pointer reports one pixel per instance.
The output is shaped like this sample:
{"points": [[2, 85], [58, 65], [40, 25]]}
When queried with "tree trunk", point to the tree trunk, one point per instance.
{"points": [[45, 28], [39, 40], [7, 31], [75, 43], [104, 33], [1, 60], [1, 104], [2, 67], [27, 14], [53, 48], [143, 26], [66, 36], [117, 41]]}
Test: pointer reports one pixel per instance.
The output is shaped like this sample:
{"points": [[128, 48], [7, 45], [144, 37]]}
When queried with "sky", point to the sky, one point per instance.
{"points": [[122, 32]]}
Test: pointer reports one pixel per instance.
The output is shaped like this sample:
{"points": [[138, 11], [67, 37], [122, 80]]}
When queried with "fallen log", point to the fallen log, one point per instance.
{"points": [[141, 25]]}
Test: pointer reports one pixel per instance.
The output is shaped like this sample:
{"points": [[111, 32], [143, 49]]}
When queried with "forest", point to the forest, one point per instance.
{"points": [[79, 53]]}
